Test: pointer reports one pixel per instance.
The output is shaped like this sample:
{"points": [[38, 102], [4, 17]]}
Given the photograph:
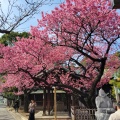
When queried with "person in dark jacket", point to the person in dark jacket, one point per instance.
{"points": [[16, 105]]}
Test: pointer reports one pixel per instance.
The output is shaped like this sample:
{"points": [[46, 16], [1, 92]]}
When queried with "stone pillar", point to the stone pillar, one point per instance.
{"points": [[73, 112]]}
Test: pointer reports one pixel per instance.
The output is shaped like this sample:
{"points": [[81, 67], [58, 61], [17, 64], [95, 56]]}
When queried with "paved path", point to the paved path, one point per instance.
{"points": [[5, 114]]}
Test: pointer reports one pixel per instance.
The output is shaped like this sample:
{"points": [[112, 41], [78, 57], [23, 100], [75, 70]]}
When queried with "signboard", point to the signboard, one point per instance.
{"points": [[115, 4]]}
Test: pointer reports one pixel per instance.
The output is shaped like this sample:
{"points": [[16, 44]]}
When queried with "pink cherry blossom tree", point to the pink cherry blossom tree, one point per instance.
{"points": [[27, 59], [92, 29], [88, 29]]}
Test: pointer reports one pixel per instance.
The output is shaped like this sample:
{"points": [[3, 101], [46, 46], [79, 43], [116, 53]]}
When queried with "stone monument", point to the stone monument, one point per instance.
{"points": [[104, 106]]}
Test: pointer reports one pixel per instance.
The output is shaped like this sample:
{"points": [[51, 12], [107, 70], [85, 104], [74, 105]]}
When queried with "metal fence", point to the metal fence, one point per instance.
{"points": [[84, 114]]}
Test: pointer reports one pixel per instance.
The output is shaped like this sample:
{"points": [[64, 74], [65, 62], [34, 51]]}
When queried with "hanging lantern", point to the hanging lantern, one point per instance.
{"points": [[115, 4]]}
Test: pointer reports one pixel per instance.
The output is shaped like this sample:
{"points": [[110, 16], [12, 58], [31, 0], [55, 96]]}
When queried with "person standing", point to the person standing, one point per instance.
{"points": [[16, 105], [116, 115], [32, 107]]}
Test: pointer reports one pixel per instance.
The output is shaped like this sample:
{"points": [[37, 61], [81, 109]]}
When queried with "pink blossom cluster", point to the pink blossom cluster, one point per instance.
{"points": [[89, 28]]}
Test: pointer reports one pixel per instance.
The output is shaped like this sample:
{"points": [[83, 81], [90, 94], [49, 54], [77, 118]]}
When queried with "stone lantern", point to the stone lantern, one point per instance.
{"points": [[115, 4]]}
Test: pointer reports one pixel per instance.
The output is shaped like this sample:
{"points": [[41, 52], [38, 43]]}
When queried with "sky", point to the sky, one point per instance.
{"points": [[44, 8], [26, 26]]}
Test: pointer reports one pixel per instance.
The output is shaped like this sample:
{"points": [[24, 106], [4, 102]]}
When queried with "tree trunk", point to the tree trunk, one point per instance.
{"points": [[91, 102], [26, 103], [88, 102]]}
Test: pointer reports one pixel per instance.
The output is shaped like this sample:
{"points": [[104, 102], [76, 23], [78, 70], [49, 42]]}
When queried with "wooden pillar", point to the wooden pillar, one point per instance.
{"points": [[69, 104], [48, 99], [73, 100], [34, 97], [67, 100], [44, 101], [55, 104], [52, 99]]}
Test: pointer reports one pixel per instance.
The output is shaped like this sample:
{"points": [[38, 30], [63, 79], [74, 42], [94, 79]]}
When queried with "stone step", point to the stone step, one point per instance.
{"points": [[53, 118]]}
